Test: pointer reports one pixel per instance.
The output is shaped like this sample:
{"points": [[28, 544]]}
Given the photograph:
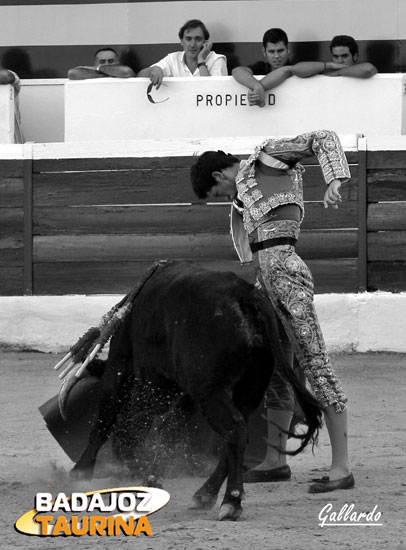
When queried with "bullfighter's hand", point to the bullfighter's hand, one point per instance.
{"points": [[332, 196]]}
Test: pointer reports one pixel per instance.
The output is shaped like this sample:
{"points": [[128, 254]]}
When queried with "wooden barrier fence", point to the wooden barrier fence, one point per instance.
{"points": [[91, 225], [12, 185], [386, 220]]}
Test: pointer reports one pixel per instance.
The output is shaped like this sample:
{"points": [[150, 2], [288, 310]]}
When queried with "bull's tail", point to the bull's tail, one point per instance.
{"points": [[312, 412]]}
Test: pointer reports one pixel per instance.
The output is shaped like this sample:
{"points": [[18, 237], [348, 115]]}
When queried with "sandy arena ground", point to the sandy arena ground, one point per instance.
{"points": [[276, 516]]}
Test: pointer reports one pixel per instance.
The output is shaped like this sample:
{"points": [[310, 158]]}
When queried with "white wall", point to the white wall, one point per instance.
{"points": [[42, 106], [350, 322], [231, 21], [111, 109]]}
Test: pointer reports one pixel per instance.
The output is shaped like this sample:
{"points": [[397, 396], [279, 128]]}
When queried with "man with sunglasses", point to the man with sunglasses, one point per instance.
{"points": [[196, 59]]}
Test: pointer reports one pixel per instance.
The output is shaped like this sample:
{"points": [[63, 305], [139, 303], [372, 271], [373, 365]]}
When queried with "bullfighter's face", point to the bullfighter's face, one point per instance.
{"points": [[225, 182]]}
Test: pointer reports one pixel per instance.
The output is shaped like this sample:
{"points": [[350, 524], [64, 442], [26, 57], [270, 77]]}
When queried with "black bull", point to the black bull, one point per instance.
{"points": [[209, 336]]}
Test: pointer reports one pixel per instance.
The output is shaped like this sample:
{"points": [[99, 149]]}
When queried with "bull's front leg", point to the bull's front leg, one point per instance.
{"points": [[236, 441], [205, 497], [108, 411], [117, 382], [229, 423]]}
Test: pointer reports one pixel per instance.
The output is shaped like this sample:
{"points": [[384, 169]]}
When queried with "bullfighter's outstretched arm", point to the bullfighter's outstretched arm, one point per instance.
{"points": [[325, 144]]}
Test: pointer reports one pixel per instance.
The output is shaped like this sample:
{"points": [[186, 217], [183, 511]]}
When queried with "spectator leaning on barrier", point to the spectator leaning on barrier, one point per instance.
{"points": [[10, 77], [196, 59], [106, 64], [276, 67], [344, 61]]}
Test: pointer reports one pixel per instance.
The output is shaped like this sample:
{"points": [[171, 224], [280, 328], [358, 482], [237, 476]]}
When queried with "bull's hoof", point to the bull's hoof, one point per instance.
{"points": [[230, 512], [154, 481], [203, 501]]}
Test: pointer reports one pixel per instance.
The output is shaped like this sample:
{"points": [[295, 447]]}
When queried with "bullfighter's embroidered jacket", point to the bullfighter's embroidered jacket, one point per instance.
{"points": [[286, 185]]}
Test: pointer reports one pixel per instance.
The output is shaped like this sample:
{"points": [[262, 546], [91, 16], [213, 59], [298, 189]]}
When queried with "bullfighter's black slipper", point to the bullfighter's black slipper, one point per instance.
{"points": [[324, 485], [282, 473]]}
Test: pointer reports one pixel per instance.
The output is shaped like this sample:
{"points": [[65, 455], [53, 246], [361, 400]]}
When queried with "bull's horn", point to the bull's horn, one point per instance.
{"points": [[65, 390], [63, 361]]}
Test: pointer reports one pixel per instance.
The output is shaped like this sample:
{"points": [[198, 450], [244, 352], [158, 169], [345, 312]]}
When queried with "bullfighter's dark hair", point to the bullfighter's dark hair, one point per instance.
{"points": [[201, 173], [344, 40], [194, 24], [275, 35]]}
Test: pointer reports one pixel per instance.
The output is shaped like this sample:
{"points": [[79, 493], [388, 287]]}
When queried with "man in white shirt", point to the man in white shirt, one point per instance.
{"points": [[196, 59]]}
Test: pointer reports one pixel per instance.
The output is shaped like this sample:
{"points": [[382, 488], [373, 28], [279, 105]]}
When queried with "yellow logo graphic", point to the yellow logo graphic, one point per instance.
{"points": [[59, 517]]}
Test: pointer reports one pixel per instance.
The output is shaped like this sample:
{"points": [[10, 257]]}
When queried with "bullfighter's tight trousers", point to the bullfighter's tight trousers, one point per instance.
{"points": [[289, 284]]}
